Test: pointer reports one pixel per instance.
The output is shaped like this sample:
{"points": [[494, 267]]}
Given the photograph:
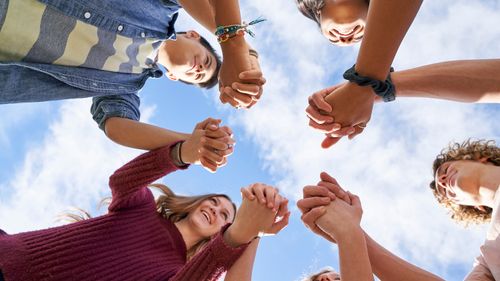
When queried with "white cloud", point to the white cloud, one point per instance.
{"points": [[67, 168], [389, 165]]}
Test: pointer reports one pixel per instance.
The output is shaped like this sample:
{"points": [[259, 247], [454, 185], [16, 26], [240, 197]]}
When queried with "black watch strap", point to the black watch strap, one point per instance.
{"points": [[384, 89]]}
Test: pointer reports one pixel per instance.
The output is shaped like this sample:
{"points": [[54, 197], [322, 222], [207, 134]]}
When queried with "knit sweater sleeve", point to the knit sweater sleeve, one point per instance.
{"points": [[209, 264], [129, 183]]}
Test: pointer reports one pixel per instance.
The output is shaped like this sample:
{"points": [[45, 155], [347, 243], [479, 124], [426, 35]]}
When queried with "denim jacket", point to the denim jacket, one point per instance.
{"points": [[115, 94]]}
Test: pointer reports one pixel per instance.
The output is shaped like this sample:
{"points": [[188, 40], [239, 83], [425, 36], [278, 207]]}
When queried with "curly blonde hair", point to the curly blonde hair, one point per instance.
{"points": [[468, 150], [169, 205]]}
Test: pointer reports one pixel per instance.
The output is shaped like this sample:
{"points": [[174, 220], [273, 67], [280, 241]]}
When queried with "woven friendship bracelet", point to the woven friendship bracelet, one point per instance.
{"points": [[227, 32], [384, 89]]}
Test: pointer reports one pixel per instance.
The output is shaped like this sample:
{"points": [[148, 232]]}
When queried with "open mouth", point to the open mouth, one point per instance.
{"points": [[207, 216]]}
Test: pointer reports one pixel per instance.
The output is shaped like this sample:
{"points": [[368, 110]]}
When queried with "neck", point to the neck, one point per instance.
{"points": [[165, 51], [489, 183], [190, 238]]}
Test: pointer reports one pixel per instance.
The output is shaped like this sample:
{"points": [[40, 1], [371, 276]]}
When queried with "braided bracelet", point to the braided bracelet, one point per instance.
{"points": [[227, 32], [384, 89]]}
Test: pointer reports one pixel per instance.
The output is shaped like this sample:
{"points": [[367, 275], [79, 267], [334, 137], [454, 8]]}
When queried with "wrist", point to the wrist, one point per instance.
{"points": [[348, 233], [383, 88], [175, 155], [235, 44], [235, 236]]}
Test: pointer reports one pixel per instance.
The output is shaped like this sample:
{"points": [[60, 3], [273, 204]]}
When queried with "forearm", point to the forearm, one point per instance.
{"points": [[354, 260], [389, 267], [202, 11], [242, 268], [463, 81], [386, 25], [140, 135]]}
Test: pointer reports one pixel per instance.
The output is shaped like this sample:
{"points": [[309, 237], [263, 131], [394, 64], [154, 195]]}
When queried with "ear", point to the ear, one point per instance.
{"points": [[192, 34], [484, 160], [171, 76]]}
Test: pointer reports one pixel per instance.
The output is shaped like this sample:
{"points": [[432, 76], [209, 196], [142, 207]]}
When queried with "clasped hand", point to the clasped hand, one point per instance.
{"points": [[240, 78], [209, 145], [340, 110], [328, 210]]}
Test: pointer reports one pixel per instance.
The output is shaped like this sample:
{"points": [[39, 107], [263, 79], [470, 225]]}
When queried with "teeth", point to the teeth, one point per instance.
{"points": [[206, 215]]}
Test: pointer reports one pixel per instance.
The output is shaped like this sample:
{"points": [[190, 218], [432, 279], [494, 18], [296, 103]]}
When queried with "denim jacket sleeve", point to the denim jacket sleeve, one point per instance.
{"points": [[124, 106]]}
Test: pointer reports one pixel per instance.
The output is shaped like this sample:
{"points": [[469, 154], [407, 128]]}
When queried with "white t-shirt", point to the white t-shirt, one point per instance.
{"points": [[487, 265]]}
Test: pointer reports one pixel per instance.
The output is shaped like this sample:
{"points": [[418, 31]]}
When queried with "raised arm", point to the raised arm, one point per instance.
{"points": [[471, 81], [136, 134], [242, 268], [384, 264], [390, 267], [463, 81], [229, 251], [341, 221], [234, 89], [386, 25]]}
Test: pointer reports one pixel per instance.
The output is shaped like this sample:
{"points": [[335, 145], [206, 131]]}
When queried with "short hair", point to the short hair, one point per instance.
{"points": [[312, 277], [468, 150], [214, 80], [310, 8]]}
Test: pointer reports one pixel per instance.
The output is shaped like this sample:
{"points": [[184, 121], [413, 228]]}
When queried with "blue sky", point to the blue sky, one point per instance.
{"points": [[53, 156]]}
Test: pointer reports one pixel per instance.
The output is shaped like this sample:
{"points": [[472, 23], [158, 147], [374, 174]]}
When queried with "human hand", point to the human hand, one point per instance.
{"points": [[315, 198], [352, 106], [318, 112], [340, 218], [254, 218], [269, 196], [254, 81], [235, 61], [208, 145]]}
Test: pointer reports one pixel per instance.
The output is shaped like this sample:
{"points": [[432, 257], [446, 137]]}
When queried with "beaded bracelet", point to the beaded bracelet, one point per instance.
{"points": [[227, 32], [384, 89]]}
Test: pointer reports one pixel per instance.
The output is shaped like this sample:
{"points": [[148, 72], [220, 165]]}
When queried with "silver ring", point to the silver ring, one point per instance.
{"points": [[361, 126]]}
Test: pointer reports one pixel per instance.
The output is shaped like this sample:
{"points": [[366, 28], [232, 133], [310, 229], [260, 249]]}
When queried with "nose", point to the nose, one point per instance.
{"points": [[442, 179], [324, 278]]}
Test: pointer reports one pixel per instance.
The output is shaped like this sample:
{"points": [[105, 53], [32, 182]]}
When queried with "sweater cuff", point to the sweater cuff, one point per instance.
{"points": [[166, 160]]}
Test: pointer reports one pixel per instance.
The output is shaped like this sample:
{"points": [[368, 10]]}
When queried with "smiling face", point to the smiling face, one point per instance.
{"points": [[211, 215], [187, 59], [459, 181], [342, 22]]}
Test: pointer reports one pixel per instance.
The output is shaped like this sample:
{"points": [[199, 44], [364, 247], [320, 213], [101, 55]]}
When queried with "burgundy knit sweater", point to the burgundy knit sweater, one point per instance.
{"points": [[132, 242]]}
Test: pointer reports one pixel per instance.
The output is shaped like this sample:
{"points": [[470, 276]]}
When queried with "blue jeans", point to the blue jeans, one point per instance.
{"points": [[1, 276]]}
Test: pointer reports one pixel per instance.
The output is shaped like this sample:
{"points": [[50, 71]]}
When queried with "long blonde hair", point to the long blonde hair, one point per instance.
{"points": [[169, 205]]}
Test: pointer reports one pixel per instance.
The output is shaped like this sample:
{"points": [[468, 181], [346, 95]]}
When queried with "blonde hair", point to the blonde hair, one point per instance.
{"points": [[313, 277], [468, 150], [169, 205]]}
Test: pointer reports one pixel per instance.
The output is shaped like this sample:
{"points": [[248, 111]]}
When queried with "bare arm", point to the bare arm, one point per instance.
{"points": [[386, 25], [242, 268], [353, 254], [140, 135], [202, 11], [389, 267], [463, 81]]}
